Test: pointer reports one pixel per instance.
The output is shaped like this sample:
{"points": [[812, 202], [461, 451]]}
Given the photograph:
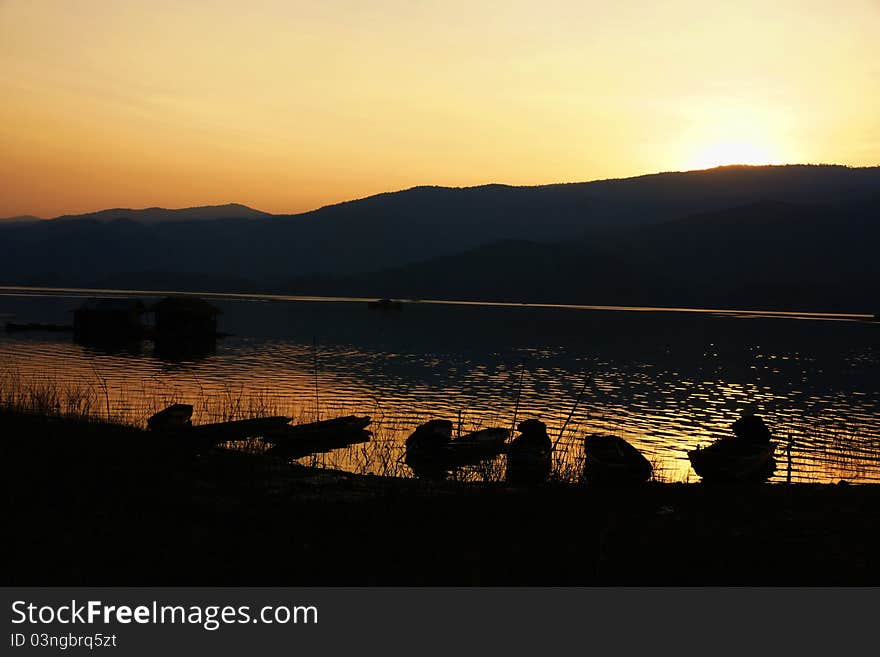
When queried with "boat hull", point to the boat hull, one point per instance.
{"points": [[427, 457], [301, 440], [611, 460], [336, 426], [529, 466], [732, 460]]}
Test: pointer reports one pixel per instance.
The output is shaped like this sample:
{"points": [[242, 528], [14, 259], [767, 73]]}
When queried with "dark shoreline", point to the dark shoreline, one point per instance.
{"points": [[92, 503]]}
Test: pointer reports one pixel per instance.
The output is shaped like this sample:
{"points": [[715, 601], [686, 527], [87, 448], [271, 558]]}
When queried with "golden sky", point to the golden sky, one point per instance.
{"points": [[287, 105]]}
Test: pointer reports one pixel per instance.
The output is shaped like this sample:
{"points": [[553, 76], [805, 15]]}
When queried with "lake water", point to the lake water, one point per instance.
{"points": [[666, 380]]}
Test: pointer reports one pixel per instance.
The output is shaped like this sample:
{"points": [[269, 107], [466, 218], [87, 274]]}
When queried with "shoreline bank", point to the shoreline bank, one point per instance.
{"points": [[100, 504]]}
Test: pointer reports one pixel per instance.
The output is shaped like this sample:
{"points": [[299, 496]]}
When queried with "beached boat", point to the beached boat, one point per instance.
{"points": [[528, 465], [176, 417], [431, 435], [296, 441], [317, 430], [612, 460], [733, 460], [479, 445], [530, 455], [207, 435], [431, 449], [426, 449]]}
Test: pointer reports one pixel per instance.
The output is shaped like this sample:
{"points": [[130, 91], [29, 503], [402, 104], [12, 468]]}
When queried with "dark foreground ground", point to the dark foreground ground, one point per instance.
{"points": [[94, 504]]}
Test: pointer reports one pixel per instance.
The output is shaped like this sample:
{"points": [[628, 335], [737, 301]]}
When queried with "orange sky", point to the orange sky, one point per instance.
{"points": [[287, 105]]}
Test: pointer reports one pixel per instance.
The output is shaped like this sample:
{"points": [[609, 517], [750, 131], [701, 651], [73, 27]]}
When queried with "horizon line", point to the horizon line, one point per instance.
{"points": [[770, 314], [436, 186]]}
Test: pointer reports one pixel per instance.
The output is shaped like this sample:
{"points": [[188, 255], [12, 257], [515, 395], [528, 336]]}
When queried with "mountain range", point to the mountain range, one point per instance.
{"points": [[157, 215], [797, 237]]}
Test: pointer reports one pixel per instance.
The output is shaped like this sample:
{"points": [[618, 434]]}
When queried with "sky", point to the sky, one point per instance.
{"points": [[286, 105]]}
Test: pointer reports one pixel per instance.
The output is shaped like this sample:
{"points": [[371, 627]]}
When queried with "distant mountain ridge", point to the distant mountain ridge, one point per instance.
{"points": [[24, 218], [154, 215], [763, 255], [158, 215], [672, 236]]}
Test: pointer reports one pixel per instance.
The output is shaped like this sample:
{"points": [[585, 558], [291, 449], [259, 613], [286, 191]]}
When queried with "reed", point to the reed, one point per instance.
{"points": [[822, 450]]}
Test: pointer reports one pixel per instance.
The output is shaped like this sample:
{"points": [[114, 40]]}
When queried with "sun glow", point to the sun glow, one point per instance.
{"points": [[95, 116], [733, 152]]}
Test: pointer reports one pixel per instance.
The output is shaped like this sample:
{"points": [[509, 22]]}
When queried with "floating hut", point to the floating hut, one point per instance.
{"points": [[109, 319]]}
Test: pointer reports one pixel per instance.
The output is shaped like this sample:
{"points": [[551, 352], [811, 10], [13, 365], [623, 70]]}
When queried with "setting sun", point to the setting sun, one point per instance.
{"points": [[301, 104], [724, 153]]}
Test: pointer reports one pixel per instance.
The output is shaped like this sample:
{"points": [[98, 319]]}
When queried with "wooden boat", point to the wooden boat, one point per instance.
{"points": [[174, 418], [296, 441], [479, 445], [528, 465], [429, 436], [174, 422], [207, 435], [612, 460], [426, 449], [301, 433], [430, 448], [530, 455], [733, 460]]}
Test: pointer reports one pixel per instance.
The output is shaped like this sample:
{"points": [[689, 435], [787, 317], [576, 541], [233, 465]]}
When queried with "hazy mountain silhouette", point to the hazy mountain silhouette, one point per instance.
{"points": [[691, 235], [159, 215], [21, 219], [424, 222], [768, 254], [511, 270]]}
